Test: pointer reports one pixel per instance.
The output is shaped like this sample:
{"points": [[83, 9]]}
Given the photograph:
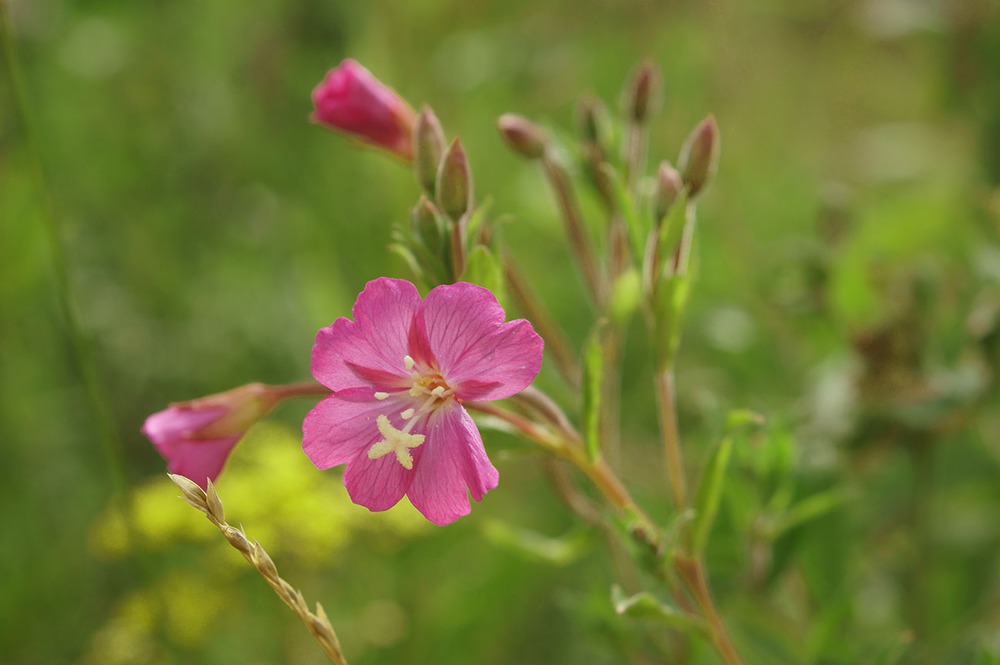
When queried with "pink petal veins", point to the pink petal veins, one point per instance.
{"points": [[499, 365], [438, 490], [377, 484], [371, 348], [344, 425], [461, 326]]}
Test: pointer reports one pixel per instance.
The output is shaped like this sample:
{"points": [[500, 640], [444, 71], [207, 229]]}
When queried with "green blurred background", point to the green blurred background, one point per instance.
{"points": [[202, 231]]}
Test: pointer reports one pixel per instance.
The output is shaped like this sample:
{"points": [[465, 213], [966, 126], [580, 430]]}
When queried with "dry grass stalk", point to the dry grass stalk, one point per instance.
{"points": [[318, 623]]}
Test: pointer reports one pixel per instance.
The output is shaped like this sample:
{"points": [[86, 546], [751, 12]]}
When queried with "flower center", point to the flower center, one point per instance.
{"points": [[428, 392]]}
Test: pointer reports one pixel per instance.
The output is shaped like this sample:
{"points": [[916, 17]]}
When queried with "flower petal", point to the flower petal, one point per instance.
{"points": [[377, 484], [461, 327], [199, 460], [453, 463], [369, 350], [176, 422], [343, 424]]}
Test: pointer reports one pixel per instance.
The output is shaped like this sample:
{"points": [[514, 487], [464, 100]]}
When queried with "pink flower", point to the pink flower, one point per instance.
{"points": [[351, 100], [400, 372], [196, 437]]}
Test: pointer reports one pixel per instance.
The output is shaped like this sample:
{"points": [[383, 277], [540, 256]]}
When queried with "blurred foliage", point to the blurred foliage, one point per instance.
{"points": [[848, 288]]}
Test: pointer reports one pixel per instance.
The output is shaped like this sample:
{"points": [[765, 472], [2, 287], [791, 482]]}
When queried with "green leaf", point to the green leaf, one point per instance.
{"points": [[593, 377], [558, 551], [709, 492], [671, 297], [484, 268], [476, 222], [671, 229], [411, 261], [637, 227], [645, 605], [808, 509]]}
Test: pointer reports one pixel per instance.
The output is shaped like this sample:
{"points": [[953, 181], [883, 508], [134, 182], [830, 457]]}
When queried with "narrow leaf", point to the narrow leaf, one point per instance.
{"points": [[645, 605], [709, 493], [409, 259], [637, 227], [671, 229], [484, 268], [808, 509], [558, 551], [671, 297]]}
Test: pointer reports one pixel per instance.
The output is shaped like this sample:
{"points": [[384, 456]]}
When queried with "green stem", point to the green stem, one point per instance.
{"points": [[692, 571], [610, 416], [666, 410], [575, 231], [571, 450]]}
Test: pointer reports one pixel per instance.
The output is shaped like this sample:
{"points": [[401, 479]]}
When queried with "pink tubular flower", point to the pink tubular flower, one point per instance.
{"points": [[351, 100], [400, 372], [196, 437]]}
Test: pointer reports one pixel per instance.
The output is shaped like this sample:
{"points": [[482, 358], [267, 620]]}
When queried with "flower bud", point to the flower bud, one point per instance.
{"points": [[522, 136], [428, 146], [640, 91], [592, 117], [668, 187], [196, 437], [700, 155], [454, 182], [352, 101]]}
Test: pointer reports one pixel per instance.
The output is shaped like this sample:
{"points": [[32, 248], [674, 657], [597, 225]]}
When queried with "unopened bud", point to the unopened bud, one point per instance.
{"points": [[668, 186], [351, 100], [700, 155], [454, 182], [640, 91], [195, 437], [428, 144], [522, 136], [592, 117]]}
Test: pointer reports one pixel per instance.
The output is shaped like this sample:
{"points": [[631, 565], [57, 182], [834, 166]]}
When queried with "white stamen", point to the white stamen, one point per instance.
{"points": [[381, 396], [406, 415], [438, 392], [409, 362]]}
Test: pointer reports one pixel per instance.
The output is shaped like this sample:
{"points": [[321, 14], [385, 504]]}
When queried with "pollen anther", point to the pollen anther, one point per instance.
{"points": [[381, 395]]}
